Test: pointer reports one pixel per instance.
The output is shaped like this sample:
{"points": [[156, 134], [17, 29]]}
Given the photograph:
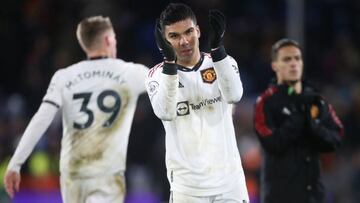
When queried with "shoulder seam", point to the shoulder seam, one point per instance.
{"points": [[153, 69], [260, 122], [267, 93]]}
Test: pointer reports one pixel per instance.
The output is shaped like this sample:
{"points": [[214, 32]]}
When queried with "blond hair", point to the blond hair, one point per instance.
{"points": [[90, 29]]}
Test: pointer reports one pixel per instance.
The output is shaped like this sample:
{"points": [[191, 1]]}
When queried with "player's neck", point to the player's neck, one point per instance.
{"points": [[192, 62], [98, 54], [297, 86]]}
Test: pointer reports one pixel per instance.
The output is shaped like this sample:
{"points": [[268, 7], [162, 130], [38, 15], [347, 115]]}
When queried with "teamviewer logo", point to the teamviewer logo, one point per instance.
{"points": [[183, 108]]}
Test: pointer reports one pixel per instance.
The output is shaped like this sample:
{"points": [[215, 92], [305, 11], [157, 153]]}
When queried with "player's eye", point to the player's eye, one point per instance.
{"points": [[173, 36], [287, 59], [189, 31]]}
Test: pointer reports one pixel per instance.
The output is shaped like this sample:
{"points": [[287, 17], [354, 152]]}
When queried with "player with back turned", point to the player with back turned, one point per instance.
{"points": [[97, 98], [192, 93]]}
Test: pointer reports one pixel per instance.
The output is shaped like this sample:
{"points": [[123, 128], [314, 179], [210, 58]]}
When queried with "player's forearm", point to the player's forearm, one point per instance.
{"points": [[327, 132], [326, 139], [280, 140], [36, 128], [275, 138], [165, 104], [229, 80], [163, 91]]}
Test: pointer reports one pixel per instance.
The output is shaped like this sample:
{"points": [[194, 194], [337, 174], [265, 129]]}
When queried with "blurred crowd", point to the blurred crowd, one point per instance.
{"points": [[38, 38]]}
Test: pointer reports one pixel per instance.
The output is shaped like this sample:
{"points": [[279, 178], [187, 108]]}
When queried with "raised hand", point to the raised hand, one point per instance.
{"points": [[217, 24], [164, 46]]}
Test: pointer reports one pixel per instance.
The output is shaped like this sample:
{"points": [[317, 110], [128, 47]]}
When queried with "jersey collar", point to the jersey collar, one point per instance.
{"points": [[98, 57], [195, 68]]}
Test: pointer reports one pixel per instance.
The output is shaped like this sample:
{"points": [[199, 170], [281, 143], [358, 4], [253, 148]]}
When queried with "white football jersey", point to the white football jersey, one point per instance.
{"points": [[97, 99], [202, 157]]}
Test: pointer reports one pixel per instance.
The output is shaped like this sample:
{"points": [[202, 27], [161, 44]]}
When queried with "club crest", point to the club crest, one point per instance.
{"points": [[208, 75]]}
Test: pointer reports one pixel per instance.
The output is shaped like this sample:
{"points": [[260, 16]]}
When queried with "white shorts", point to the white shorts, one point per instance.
{"points": [[237, 195], [104, 189]]}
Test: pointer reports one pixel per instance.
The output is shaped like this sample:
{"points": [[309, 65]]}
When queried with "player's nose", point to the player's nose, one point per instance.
{"points": [[184, 41]]}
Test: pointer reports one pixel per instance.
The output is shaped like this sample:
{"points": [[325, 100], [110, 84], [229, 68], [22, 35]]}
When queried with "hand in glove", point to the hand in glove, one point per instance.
{"points": [[164, 46], [217, 28]]}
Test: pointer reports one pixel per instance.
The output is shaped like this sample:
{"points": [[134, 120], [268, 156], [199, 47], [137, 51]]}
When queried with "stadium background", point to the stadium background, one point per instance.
{"points": [[38, 37]]}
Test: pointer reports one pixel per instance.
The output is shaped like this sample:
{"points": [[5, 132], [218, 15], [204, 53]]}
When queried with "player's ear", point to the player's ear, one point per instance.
{"points": [[274, 66], [197, 28], [107, 40]]}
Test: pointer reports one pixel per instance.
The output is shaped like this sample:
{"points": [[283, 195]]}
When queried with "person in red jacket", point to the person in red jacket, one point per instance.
{"points": [[295, 125]]}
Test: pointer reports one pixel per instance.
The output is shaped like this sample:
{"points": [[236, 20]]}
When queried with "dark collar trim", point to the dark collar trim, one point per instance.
{"points": [[195, 68], [98, 57]]}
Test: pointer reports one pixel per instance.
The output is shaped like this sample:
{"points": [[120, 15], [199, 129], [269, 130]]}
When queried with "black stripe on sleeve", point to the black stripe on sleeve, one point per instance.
{"points": [[52, 103]]}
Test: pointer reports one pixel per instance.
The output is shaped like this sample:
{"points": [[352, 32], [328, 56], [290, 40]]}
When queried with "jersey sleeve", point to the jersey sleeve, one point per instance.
{"points": [[34, 131], [162, 90], [230, 84], [53, 93], [139, 75]]}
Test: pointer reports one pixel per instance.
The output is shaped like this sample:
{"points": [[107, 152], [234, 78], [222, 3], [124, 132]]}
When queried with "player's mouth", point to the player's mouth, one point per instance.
{"points": [[294, 72], [186, 52]]}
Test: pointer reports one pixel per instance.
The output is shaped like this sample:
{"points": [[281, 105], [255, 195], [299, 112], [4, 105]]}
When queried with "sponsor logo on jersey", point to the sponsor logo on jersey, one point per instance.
{"points": [[182, 108], [208, 75], [205, 102]]}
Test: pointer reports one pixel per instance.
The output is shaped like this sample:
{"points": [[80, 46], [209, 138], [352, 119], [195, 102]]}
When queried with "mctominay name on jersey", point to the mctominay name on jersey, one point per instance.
{"points": [[93, 74]]}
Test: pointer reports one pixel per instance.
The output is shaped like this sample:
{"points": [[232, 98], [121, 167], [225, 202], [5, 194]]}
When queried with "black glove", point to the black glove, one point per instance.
{"points": [[164, 46], [217, 28]]}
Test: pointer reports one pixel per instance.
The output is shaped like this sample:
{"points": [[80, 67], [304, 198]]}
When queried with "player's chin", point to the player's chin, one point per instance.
{"points": [[294, 80], [294, 77], [187, 53]]}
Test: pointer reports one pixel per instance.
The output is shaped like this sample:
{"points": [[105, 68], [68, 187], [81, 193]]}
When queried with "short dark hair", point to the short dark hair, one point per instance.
{"points": [[280, 44], [176, 12]]}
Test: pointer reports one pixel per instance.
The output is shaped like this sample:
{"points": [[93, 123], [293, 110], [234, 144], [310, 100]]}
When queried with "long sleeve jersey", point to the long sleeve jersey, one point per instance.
{"points": [[195, 106], [97, 99]]}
